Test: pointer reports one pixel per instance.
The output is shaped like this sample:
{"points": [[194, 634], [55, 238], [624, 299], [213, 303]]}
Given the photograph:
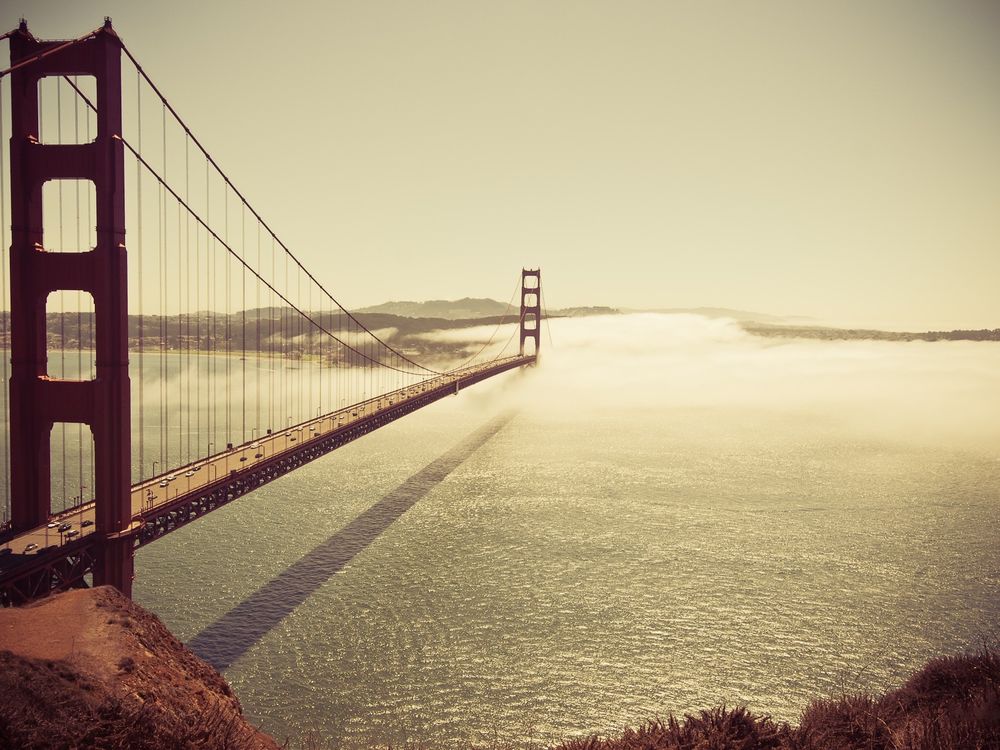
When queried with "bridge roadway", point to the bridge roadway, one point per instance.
{"points": [[165, 502]]}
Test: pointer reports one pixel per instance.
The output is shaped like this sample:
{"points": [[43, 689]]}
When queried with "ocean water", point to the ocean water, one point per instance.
{"points": [[666, 514]]}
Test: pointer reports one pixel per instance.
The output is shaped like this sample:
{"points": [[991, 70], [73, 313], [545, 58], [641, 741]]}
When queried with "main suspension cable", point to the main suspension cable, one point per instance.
{"points": [[496, 330], [236, 255], [41, 54], [259, 218], [248, 267]]}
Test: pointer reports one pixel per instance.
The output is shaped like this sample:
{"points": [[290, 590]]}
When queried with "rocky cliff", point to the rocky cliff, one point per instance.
{"points": [[91, 669]]}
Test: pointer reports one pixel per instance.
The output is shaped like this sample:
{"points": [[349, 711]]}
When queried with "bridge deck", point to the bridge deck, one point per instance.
{"points": [[171, 499]]}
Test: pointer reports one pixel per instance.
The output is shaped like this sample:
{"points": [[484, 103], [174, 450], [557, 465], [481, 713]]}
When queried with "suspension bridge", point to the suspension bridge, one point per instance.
{"points": [[153, 376]]}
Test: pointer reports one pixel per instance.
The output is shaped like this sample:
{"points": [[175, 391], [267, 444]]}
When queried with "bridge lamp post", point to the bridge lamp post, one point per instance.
{"points": [[154, 467], [210, 444]]}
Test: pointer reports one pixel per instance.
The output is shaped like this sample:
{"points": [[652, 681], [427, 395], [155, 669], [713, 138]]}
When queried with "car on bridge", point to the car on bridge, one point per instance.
{"points": [[30, 547]]}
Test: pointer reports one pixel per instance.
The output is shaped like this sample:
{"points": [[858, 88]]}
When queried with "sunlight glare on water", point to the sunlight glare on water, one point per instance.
{"points": [[679, 514]]}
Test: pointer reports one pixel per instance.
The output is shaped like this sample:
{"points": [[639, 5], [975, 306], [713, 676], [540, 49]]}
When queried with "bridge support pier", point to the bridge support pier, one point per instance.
{"points": [[37, 400], [531, 306]]}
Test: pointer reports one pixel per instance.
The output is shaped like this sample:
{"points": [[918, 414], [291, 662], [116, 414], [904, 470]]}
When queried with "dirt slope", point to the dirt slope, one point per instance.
{"points": [[91, 669]]}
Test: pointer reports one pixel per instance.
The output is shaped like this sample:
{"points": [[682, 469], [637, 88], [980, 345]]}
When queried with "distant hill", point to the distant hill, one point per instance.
{"points": [[863, 334], [459, 309]]}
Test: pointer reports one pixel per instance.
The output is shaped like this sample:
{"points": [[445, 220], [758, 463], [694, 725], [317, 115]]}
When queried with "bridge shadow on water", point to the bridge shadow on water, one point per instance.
{"points": [[233, 634]]}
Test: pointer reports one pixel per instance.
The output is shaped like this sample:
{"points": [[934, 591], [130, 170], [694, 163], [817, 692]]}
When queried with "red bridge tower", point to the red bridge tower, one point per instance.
{"points": [[531, 306], [38, 400]]}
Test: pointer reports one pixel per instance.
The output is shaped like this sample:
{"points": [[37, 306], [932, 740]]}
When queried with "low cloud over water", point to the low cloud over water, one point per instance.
{"points": [[936, 392]]}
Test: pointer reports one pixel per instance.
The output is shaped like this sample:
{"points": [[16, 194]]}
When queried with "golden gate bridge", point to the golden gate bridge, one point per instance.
{"points": [[246, 366]]}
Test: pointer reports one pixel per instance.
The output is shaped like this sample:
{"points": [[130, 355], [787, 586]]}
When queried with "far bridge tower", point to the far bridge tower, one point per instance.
{"points": [[531, 306]]}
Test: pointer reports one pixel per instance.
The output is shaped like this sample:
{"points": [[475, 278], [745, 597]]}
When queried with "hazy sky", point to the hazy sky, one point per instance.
{"points": [[838, 160]]}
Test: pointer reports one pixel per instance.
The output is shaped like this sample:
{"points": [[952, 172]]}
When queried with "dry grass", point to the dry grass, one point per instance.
{"points": [[717, 728], [49, 704], [953, 703]]}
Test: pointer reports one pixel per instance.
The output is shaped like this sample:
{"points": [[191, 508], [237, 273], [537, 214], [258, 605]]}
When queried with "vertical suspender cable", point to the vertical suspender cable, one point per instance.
{"points": [[197, 379], [4, 339], [315, 402], [298, 322], [91, 222], [210, 364], [243, 359], [162, 265], [79, 297], [228, 311], [138, 187], [257, 422], [182, 286], [270, 347], [283, 385], [62, 295]]}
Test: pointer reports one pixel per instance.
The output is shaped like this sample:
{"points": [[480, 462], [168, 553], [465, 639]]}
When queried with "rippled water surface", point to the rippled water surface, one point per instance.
{"points": [[677, 514]]}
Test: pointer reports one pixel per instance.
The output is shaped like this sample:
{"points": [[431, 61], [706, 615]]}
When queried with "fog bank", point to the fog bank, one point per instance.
{"points": [[645, 365]]}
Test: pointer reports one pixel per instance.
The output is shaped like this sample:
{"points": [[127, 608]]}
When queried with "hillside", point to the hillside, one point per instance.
{"points": [[467, 307], [864, 334], [90, 669]]}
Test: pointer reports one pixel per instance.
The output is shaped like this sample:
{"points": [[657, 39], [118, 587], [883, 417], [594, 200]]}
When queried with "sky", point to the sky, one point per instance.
{"points": [[839, 161]]}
